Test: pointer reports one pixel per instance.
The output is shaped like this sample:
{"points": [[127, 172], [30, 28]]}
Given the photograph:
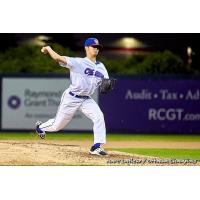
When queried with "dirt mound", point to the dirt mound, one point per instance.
{"points": [[45, 153]]}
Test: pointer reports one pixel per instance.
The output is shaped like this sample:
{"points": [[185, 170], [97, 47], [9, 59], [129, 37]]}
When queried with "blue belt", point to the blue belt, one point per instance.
{"points": [[78, 96]]}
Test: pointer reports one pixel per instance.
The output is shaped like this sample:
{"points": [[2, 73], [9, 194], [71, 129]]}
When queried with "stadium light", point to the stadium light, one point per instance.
{"points": [[129, 42], [40, 40], [189, 51]]}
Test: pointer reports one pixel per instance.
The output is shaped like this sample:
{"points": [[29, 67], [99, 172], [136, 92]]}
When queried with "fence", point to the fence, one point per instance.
{"points": [[139, 104]]}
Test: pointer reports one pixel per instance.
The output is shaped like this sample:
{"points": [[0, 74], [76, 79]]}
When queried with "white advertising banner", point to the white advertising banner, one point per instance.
{"points": [[27, 100]]}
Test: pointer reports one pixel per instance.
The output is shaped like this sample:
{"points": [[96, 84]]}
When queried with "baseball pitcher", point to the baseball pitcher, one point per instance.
{"points": [[86, 74]]}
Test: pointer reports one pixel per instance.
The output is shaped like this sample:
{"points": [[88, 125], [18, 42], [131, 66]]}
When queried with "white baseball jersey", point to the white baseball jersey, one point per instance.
{"points": [[85, 75], [85, 78]]}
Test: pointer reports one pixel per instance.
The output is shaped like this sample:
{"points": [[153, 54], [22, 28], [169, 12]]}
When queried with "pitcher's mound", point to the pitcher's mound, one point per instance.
{"points": [[37, 152]]}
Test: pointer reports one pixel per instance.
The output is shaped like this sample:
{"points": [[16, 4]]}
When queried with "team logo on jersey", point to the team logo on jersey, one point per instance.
{"points": [[91, 72]]}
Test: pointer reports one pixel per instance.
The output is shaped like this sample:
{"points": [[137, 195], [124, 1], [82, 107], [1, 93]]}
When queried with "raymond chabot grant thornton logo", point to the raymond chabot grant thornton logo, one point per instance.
{"points": [[14, 102]]}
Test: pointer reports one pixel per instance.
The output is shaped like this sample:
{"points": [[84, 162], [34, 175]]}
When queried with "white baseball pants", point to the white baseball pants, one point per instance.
{"points": [[68, 106]]}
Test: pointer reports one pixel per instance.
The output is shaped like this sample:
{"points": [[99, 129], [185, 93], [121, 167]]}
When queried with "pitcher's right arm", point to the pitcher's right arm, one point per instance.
{"points": [[55, 56]]}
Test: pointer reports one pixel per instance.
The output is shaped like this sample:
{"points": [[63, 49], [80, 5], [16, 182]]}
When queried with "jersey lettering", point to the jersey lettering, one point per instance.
{"points": [[99, 74], [90, 72]]}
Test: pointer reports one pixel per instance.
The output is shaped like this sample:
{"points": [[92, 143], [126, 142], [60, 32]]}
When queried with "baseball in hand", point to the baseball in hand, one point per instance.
{"points": [[44, 50]]}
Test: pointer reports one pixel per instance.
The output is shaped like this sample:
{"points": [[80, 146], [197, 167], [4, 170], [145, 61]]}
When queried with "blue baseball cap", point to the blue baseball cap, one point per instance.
{"points": [[92, 42]]}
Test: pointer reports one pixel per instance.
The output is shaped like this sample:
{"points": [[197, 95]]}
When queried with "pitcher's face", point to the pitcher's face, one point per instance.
{"points": [[92, 50]]}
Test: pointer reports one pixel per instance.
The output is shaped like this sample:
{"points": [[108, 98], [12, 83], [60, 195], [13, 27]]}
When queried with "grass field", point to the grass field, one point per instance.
{"points": [[111, 137], [155, 152], [193, 154]]}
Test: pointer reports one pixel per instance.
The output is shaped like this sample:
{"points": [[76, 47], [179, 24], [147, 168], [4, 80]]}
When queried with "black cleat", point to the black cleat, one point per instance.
{"points": [[98, 151], [39, 132]]}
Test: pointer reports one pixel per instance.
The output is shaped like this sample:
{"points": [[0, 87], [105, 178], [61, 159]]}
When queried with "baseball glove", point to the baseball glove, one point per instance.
{"points": [[107, 85]]}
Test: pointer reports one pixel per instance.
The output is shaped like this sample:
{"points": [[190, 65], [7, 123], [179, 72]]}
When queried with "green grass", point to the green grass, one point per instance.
{"points": [[193, 154], [154, 137], [110, 137], [49, 136]]}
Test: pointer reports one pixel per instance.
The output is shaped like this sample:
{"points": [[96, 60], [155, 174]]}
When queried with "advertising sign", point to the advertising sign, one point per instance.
{"points": [[26, 100], [153, 105]]}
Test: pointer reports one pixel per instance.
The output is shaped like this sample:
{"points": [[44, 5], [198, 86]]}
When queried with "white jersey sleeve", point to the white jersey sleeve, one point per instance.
{"points": [[71, 62], [105, 72]]}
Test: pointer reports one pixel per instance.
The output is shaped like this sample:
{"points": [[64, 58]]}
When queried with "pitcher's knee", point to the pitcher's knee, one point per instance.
{"points": [[99, 117]]}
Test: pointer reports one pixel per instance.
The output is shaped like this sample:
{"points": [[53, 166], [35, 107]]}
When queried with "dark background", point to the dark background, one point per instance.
{"points": [[176, 42]]}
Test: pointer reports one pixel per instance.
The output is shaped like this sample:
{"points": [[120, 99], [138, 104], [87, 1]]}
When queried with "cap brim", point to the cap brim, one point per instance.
{"points": [[98, 45]]}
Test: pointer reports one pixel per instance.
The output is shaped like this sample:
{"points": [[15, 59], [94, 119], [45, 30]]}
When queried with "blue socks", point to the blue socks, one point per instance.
{"points": [[39, 130], [97, 145]]}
